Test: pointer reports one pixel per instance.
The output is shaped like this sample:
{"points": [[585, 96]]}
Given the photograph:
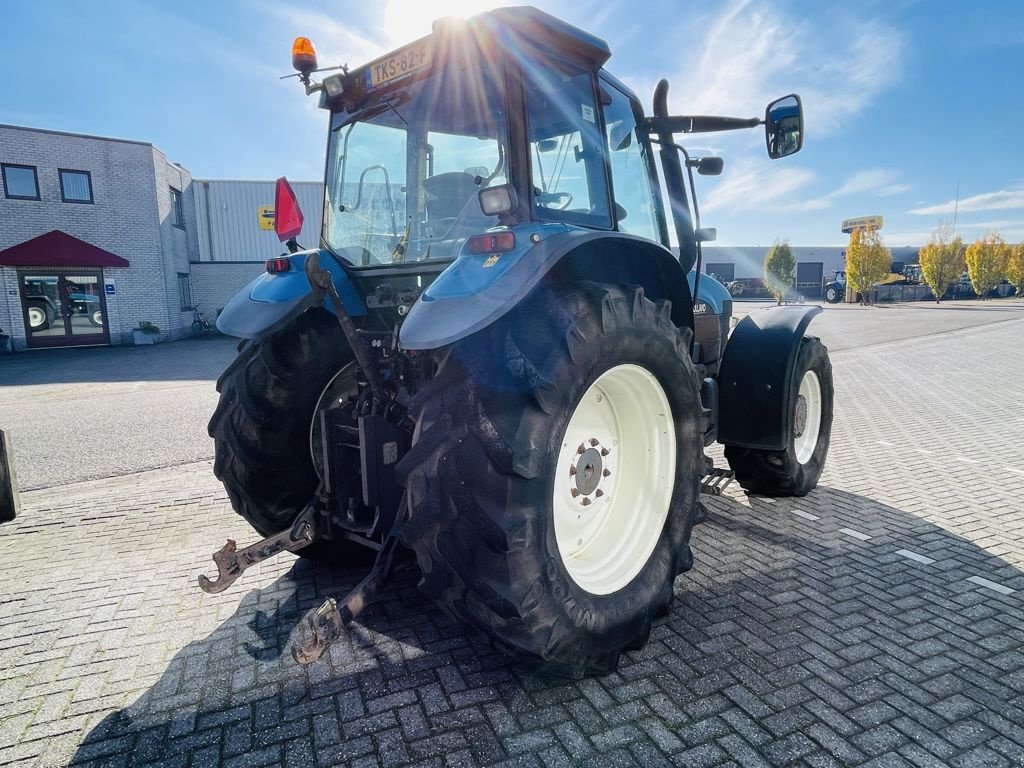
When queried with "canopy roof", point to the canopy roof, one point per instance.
{"points": [[58, 249]]}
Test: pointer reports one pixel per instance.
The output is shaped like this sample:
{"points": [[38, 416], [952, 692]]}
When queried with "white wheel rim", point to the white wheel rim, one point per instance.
{"points": [[97, 317], [36, 317], [807, 418], [614, 479]]}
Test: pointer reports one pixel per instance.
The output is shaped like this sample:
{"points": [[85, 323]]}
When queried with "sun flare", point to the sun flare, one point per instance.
{"points": [[405, 21]]}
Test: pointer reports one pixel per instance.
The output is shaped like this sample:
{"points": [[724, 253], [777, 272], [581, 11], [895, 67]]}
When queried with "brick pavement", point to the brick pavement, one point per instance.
{"points": [[811, 631]]}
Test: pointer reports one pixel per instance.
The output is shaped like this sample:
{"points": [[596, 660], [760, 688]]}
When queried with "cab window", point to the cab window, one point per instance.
{"points": [[566, 155], [629, 163]]}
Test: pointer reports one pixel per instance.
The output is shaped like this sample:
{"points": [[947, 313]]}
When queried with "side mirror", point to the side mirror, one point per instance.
{"points": [[784, 126], [706, 234]]}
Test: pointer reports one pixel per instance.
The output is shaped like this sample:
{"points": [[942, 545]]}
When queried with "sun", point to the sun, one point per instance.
{"points": [[405, 20]]}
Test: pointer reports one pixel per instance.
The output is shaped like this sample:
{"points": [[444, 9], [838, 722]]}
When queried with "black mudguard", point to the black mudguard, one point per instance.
{"points": [[756, 377]]}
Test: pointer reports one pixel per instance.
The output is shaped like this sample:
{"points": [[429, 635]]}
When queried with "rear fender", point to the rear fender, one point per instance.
{"points": [[756, 378], [272, 301], [475, 291]]}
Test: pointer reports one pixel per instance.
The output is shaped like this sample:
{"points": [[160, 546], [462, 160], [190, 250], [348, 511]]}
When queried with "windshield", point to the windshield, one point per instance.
{"points": [[404, 170]]}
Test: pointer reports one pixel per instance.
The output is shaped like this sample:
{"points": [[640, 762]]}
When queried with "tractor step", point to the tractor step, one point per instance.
{"points": [[231, 561], [716, 481]]}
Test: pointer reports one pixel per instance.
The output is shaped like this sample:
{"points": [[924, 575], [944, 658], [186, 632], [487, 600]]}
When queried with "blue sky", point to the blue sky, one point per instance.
{"points": [[904, 100]]}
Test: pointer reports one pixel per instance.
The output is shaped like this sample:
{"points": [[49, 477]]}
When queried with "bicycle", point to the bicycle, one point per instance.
{"points": [[200, 325]]}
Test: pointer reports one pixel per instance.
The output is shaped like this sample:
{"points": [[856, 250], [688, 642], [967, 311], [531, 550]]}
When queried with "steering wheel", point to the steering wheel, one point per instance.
{"points": [[561, 200]]}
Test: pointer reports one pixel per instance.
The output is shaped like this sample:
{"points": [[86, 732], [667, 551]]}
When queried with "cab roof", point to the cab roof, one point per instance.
{"points": [[525, 27]]}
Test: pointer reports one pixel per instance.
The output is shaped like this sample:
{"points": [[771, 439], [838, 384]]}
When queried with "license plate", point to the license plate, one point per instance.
{"points": [[404, 62]]}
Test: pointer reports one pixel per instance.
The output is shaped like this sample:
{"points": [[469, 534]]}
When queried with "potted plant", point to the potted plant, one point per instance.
{"points": [[5, 343], [146, 333]]}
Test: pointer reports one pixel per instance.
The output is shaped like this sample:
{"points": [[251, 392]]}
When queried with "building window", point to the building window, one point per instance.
{"points": [[185, 291], [75, 186], [20, 182], [177, 212]]}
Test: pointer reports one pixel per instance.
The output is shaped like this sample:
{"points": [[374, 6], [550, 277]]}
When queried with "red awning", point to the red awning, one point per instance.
{"points": [[58, 249]]}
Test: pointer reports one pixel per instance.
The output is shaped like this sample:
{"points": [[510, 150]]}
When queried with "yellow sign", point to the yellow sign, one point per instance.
{"points": [[265, 216], [491, 261], [864, 222], [403, 62]]}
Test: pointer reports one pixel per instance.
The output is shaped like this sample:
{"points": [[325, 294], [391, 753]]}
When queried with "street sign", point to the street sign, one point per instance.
{"points": [[265, 216], [110, 289], [864, 222]]}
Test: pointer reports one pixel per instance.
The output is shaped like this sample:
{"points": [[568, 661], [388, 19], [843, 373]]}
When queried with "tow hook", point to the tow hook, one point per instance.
{"points": [[323, 625], [232, 562]]}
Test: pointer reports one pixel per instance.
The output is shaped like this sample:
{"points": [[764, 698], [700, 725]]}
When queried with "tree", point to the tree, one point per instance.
{"points": [[986, 259], [942, 261], [867, 261], [1015, 268], [779, 269]]}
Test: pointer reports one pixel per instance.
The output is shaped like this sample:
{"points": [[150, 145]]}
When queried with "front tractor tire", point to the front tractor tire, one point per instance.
{"points": [[795, 470], [262, 426], [553, 483]]}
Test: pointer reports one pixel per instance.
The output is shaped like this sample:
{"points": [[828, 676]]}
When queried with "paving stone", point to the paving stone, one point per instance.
{"points": [[788, 643]]}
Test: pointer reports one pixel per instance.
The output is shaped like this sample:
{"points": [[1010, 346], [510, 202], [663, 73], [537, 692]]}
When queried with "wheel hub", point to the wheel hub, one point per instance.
{"points": [[588, 471], [609, 513], [800, 416]]}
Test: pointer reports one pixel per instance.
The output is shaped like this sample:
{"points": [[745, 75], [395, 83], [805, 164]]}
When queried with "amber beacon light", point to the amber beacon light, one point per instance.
{"points": [[303, 55]]}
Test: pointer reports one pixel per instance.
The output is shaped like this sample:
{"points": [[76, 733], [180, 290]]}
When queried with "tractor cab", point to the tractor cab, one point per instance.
{"points": [[483, 124]]}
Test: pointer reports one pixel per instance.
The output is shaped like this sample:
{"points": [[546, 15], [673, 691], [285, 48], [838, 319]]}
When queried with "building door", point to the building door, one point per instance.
{"points": [[808, 278], [63, 309]]}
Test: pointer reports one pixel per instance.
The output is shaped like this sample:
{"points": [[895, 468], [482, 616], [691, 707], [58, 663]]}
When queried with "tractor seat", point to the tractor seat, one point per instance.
{"points": [[446, 195]]}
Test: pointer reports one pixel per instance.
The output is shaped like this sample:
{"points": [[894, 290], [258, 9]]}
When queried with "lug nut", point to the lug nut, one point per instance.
{"points": [[575, 492], [606, 472], [605, 451], [585, 502], [581, 450], [572, 470], [599, 493], [594, 441]]}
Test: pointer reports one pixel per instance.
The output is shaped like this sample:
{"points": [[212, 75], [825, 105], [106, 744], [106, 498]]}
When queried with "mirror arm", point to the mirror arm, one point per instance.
{"points": [[699, 123]]}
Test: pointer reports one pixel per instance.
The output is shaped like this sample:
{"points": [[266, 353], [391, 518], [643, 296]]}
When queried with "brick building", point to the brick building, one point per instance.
{"points": [[96, 236], [99, 234]]}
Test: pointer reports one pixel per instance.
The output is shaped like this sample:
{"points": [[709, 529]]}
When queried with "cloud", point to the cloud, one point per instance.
{"points": [[337, 40], [760, 187], [893, 189], [993, 226], [897, 239], [1002, 200], [879, 181], [755, 51]]}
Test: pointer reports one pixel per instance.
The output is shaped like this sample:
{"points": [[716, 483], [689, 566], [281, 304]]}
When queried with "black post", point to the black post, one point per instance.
{"points": [[8, 481]]}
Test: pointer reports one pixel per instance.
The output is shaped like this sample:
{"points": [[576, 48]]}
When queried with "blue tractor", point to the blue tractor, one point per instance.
{"points": [[495, 359]]}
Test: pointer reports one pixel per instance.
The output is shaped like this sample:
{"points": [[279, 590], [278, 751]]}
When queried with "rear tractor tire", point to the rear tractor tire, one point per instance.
{"points": [[263, 427], [553, 483], [795, 470], [39, 316]]}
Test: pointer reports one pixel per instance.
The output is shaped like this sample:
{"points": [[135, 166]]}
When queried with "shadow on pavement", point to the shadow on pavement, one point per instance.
{"points": [[188, 359], [789, 640]]}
